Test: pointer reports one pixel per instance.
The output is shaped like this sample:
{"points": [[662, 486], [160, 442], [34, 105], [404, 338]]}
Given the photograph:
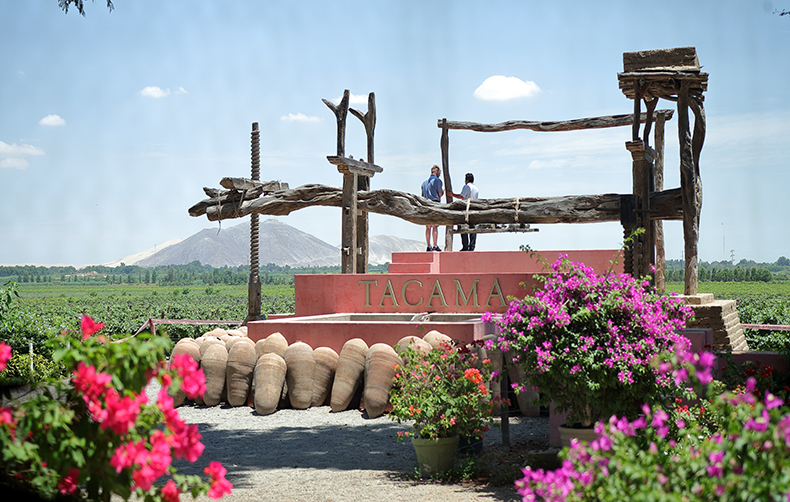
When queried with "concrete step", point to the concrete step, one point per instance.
{"points": [[411, 268]]}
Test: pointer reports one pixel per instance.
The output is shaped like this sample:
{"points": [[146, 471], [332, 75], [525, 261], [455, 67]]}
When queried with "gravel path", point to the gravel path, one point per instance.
{"points": [[317, 455]]}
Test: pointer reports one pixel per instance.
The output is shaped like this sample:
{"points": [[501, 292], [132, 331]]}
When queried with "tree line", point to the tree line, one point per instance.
{"points": [[193, 273]]}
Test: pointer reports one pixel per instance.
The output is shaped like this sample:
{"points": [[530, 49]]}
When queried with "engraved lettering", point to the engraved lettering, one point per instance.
{"points": [[498, 294], [367, 290], [403, 293], [459, 294], [440, 294], [388, 292]]}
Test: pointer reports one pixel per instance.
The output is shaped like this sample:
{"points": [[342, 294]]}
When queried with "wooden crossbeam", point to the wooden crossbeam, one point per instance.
{"points": [[492, 228], [354, 166], [565, 125]]}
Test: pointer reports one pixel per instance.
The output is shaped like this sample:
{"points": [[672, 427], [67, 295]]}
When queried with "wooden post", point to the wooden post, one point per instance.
{"points": [[658, 225], [363, 184], [348, 246], [448, 185], [689, 187], [643, 245]]}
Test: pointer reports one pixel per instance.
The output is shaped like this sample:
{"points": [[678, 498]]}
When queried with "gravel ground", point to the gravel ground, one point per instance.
{"points": [[317, 455]]}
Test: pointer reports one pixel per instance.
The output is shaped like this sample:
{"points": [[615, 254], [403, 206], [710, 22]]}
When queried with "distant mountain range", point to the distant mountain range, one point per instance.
{"points": [[279, 243]]}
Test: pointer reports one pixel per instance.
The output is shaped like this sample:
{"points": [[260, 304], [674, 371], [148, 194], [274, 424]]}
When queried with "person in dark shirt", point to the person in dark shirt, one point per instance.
{"points": [[432, 189]]}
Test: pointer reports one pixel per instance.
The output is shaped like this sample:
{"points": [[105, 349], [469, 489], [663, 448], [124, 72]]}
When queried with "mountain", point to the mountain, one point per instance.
{"points": [[279, 243]]}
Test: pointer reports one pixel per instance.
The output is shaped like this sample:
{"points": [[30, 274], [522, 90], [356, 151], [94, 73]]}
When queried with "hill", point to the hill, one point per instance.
{"points": [[280, 244]]}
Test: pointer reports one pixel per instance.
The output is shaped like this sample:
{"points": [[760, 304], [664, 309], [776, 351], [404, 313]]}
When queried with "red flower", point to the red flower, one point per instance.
{"points": [[69, 483], [5, 355], [89, 327], [193, 379], [170, 491], [219, 485]]}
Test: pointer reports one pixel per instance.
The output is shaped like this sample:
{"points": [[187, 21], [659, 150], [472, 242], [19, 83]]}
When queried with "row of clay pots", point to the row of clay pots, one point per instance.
{"points": [[271, 374]]}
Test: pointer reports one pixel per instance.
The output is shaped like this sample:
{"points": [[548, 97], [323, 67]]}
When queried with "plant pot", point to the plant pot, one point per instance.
{"points": [[435, 455], [469, 445], [585, 435]]}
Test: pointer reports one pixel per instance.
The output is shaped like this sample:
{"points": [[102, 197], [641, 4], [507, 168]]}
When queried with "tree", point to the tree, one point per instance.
{"points": [[783, 261], [79, 5]]}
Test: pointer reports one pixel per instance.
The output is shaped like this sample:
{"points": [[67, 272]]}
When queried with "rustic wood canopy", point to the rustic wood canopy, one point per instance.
{"points": [[671, 74], [675, 75]]}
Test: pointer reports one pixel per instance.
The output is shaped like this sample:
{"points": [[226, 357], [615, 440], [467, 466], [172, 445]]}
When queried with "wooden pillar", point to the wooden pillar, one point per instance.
{"points": [[448, 185], [643, 246], [348, 245], [658, 225], [363, 184], [691, 195]]}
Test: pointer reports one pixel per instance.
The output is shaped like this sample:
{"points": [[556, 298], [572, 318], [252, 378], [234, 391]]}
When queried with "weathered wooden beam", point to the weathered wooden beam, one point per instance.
{"points": [[363, 183], [658, 185], [493, 228], [691, 190], [250, 184], [566, 125], [676, 58], [533, 210], [354, 166], [341, 112]]}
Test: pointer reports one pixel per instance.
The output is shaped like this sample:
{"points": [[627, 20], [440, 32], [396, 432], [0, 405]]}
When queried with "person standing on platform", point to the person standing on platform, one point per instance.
{"points": [[433, 189], [469, 191]]}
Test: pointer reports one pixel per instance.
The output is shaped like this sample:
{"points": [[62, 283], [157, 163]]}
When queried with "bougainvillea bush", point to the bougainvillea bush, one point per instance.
{"points": [[442, 393], [587, 341], [742, 454], [96, 435]]}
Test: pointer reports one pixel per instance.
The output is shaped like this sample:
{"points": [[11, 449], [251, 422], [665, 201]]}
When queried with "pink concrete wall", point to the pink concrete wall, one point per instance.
{"points": [[520, 261], [466, 282], [333, 334], [407, 293]]}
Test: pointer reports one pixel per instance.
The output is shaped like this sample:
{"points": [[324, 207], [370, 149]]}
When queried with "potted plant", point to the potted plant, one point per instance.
{"points": [[587, 341], [443, 394]]}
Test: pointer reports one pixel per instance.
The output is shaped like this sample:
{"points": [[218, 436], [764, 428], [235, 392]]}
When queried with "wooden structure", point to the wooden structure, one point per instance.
{"points": [[547, 126], [674, 75], [356, 176]]}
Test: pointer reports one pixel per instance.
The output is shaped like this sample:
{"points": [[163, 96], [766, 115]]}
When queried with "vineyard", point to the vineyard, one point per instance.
{"points": [[44, 310], [758, 303]]}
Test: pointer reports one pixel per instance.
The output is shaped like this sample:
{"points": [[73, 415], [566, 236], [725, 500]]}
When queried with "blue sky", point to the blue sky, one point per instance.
{"points": [[112, 123]]}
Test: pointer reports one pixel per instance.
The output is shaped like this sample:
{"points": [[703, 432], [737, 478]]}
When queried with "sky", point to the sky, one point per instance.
{"points": [[113, 123]]}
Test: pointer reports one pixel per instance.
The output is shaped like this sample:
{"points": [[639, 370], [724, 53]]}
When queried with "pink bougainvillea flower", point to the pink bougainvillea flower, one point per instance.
{"points": [[90, 383], [153, 463], [89, 327], [5, 355], [219, 485], [68, 484], [193, 379], [121, 412], [170, 491]]}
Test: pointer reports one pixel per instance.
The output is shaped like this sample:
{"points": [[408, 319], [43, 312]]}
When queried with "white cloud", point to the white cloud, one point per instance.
{"points": [[299, 117], [181, 90], [13, 156], [52, 120], [13, 163], [501, 88], [15, 150], [153, 91]]}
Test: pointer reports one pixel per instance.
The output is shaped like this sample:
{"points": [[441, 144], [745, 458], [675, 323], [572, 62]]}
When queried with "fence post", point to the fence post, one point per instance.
{"points": [[30, 346]]}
